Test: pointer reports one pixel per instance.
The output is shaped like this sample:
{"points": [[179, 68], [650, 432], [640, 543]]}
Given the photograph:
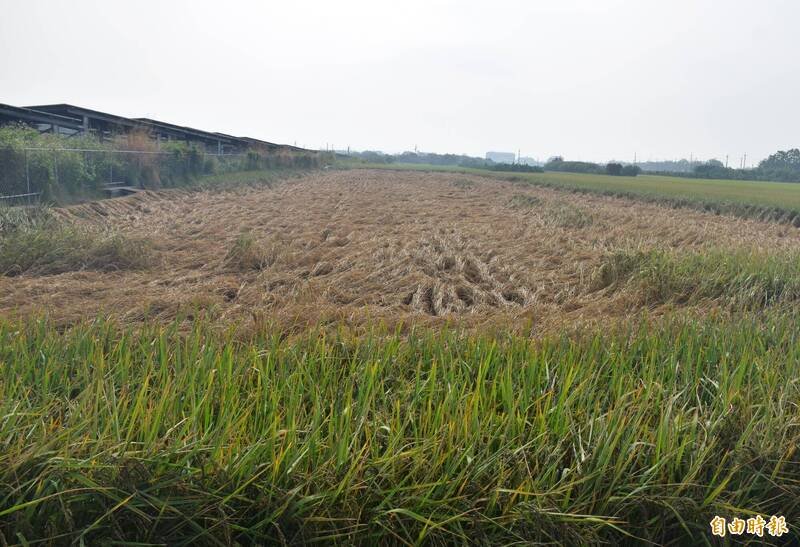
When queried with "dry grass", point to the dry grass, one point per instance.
{"points": [[352, 246]]}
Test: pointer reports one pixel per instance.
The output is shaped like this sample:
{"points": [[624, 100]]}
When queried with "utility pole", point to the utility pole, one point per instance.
{"points": [[745, 161], [726, 161]]}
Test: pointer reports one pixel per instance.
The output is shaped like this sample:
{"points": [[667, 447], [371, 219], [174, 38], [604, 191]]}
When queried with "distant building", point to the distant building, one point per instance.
{"points": [[501, 157]]}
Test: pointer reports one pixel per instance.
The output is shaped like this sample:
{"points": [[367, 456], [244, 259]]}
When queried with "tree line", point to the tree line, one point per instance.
{"points": [[782, 166], [613, 168]]}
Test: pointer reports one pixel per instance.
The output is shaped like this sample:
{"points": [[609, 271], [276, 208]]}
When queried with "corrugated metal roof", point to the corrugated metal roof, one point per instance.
{"points": [[72, 116]]}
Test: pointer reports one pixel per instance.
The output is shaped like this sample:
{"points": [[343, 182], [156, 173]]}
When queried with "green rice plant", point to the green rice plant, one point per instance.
{"points": [[163, 435]]}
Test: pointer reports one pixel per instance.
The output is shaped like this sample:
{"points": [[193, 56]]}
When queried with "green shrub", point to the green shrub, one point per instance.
{"points": [[252, 161], [210, 165]]}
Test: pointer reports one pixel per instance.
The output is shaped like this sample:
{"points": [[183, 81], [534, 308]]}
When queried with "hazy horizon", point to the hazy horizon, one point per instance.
{"points": [[586, 80]]}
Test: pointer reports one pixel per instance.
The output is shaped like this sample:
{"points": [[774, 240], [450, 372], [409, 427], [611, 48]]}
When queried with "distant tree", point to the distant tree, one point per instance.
{"points": [[614, 169], [783, 165], [631, 170], [680, 166], [554, 163], [782, 160], [713, 169], [374, 156], [557, 163]]}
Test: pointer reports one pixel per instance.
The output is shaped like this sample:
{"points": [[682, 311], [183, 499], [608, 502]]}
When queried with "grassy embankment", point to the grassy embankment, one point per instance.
{"points": [[776, 201]]}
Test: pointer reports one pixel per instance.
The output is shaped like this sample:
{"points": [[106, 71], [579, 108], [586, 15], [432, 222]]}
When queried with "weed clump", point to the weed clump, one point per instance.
{"points": [[564, 215], [524, 201], [247, 254], [14, 219], [55, 249], [744, 279], [33, 241]]}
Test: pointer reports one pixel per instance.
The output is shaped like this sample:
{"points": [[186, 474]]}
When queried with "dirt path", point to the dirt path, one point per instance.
{"points": [[391, 245]]}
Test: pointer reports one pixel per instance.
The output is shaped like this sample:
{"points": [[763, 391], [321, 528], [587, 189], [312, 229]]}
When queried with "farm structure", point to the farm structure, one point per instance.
{"points": [[66, 119]]}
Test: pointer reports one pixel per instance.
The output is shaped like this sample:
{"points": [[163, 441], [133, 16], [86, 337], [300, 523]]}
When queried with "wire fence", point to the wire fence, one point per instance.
{"points": [[29, 175]]}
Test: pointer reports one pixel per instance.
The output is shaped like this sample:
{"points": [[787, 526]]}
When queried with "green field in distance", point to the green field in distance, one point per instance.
{"points": [[783, 195]]}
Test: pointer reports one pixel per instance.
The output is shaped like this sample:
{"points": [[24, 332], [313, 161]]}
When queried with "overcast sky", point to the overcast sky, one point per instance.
{"points": [[587, 79]]}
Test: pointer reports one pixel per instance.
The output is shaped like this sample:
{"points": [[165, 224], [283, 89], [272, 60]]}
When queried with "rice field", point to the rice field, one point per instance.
{"points": [[364, 246], [156, 437], [395, 357], [748, 199]]}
